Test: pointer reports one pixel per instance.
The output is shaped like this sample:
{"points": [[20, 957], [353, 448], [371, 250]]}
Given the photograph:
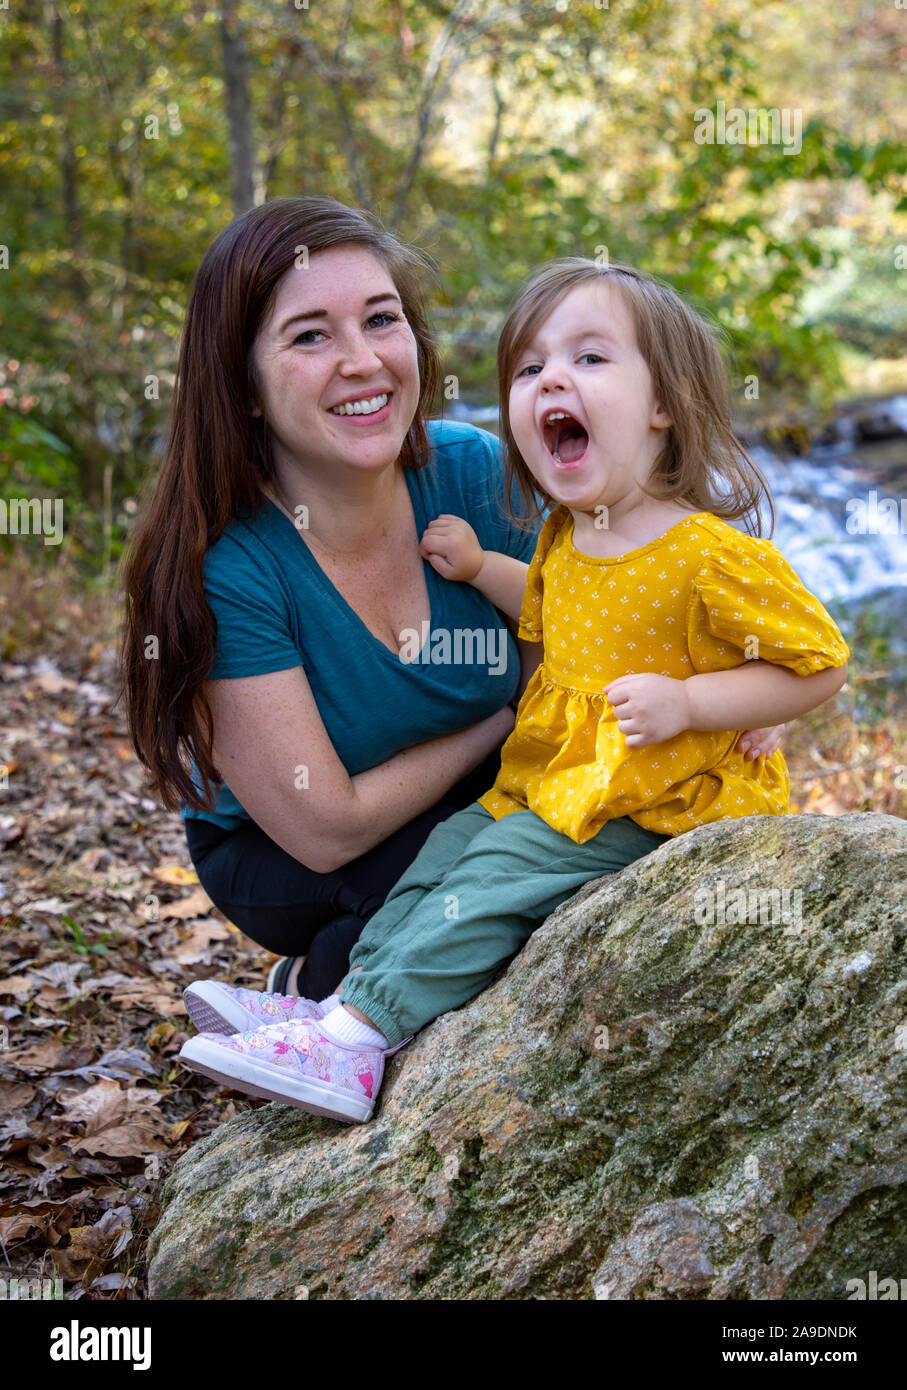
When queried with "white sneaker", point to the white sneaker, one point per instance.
{"points": [[218, 1008]]}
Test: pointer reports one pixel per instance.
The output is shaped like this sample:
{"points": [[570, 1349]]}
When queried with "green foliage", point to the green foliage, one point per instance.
{"points": [[496, 138]]}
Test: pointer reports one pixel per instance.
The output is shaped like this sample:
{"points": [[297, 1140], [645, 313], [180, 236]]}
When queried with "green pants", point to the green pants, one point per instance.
{"points": [[471, 898]]}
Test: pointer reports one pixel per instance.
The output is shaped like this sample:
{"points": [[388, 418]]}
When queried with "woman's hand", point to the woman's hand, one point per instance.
{"points": [[760, 743], [451, 547]]}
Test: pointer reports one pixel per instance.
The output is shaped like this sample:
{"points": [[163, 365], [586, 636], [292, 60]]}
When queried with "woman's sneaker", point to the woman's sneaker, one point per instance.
{"points": [[218, 1008], [294, 1063], [284, 974]]}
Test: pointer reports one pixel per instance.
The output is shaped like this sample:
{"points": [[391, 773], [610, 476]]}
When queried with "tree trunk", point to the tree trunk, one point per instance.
{"points": [[72, 221], [236, 83]]}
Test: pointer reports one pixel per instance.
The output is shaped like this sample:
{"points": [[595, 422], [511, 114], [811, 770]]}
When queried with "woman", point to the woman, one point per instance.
{"points": [[284, 630]]}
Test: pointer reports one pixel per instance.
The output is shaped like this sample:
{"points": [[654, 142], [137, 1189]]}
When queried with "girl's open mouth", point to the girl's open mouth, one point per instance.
{"points": [[566, 440]]}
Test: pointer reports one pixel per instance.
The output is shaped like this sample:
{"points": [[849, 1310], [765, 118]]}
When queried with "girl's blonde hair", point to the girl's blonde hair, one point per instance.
{"points": [[702, 463]]}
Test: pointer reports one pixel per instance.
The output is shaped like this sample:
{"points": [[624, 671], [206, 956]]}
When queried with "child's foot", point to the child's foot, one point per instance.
{"points": [[294, 1063], [219, 1008]]}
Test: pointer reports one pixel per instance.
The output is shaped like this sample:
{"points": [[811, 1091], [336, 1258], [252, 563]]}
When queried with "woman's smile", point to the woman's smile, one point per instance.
{"points": [[365, 409]]}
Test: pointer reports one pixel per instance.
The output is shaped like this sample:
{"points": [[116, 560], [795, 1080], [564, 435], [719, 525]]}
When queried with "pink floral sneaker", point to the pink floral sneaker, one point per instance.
{"points": [[295, 1063], [218, 1008]]}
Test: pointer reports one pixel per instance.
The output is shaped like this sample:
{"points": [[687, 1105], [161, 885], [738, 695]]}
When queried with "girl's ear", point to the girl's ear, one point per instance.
{"points": [[661, 420]]}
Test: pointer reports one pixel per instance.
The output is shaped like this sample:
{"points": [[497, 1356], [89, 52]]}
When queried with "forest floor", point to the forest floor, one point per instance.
{"points": [[103, 923]]}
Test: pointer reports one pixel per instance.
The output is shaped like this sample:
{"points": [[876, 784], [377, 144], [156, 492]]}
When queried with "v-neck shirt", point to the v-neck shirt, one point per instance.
{"points": [[276, 609]]}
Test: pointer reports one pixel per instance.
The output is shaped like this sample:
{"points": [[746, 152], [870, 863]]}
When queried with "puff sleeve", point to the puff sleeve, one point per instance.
{"points": [[748, 591], [530, 624]]}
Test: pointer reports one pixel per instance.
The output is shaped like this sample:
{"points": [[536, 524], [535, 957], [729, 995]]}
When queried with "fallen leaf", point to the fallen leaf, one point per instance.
{"points": [[53, 684], [13, 1227], [109, 1236], [195, 946], [160, 1034], [18, 986], [119, 1062], [176, 874], [12, 1128], [132, 1140], [56, 907], [140, 994], [10, 830], [98, 1106], [14, 1095], [196, 905]]}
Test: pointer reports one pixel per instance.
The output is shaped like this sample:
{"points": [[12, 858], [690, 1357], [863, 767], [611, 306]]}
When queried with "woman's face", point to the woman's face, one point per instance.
{"points": [[336, 334]]}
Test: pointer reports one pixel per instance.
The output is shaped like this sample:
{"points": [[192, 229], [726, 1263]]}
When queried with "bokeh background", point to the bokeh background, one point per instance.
{"points": [[495, 136]]}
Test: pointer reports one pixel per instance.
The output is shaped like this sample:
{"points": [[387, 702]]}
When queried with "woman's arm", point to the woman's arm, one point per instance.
{"points": [[273, 751], [653, 708]]}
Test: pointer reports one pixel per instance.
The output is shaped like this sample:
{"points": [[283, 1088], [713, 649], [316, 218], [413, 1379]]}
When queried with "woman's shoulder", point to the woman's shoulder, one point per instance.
{"points": [[469, 479], [460, 434], [463, 450], [247, 543]]}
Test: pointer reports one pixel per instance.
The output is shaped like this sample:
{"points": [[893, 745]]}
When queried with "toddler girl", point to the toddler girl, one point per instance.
{"points": [[660, 632]]}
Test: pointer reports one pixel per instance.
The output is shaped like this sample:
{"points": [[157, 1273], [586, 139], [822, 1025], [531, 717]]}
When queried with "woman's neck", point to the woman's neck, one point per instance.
{"points": [[344, 515]]}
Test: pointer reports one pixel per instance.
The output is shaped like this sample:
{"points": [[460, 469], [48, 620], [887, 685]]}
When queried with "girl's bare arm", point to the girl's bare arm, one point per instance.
{"points": [[651, 708]]}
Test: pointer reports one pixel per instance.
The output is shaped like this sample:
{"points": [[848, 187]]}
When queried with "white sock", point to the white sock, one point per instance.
{"points": [[343, 1027], [331, 1002]]}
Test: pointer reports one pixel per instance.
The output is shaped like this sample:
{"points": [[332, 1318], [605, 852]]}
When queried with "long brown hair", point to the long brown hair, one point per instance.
{"points": [[702, 462], [217, 460]]}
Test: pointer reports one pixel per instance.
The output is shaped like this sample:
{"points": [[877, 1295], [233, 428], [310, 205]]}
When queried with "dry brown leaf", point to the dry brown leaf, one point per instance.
{"points": [[14, 1227], [54, 685], [195, 944], [14, 1095], [108, 1236], [141, 994], [18, 986], [196, 905], [51, 1055], [131, 1140], [98, 1106]]}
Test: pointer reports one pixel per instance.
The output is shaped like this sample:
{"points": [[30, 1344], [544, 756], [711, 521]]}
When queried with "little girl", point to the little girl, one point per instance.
{"points": [[642, 600]]}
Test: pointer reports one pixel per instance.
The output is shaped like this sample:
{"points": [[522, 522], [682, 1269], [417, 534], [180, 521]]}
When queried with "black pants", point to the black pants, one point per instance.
{"points": [[293, 911]]}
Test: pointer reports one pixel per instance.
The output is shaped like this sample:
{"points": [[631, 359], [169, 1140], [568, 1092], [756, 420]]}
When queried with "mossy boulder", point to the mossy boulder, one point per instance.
{"points": [[677, 1089]]}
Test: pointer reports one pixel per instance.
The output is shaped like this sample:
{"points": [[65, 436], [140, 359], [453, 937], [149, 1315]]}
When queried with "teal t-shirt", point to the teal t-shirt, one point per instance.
{"points": [[275, 609]]}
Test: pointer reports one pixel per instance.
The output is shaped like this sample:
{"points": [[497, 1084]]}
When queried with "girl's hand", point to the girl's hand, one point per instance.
{"points": [[649, 708], [760, 743], [451, 547]]}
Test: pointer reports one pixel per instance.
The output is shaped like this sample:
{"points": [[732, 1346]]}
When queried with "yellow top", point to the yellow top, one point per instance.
{"points": [[691, 601]]}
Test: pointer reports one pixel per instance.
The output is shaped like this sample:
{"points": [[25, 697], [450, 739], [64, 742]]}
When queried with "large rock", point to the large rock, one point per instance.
{"points": [[644, 1105]]}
